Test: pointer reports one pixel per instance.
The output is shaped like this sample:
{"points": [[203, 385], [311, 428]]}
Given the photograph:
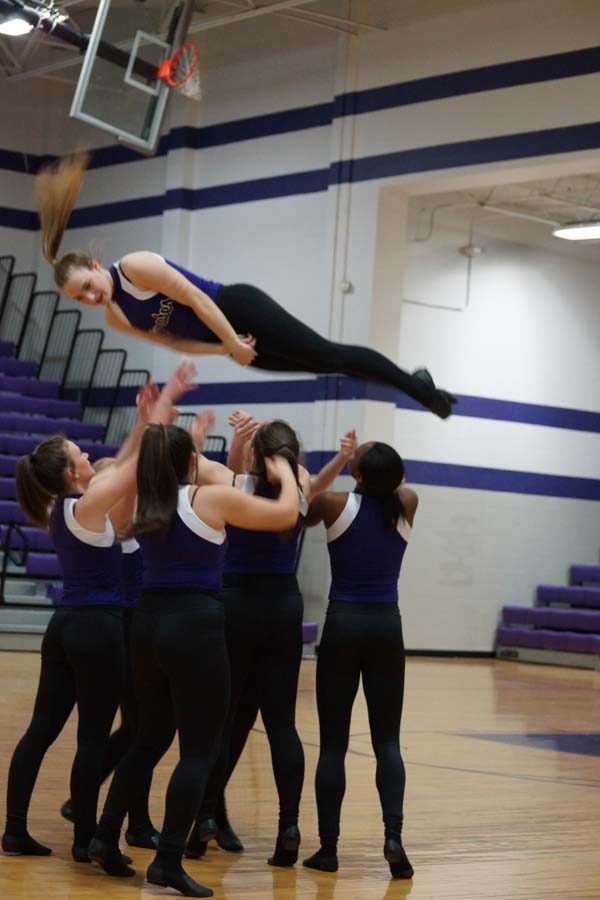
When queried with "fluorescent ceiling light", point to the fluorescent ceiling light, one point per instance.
{"points": [[578, 231], [15, 26]]}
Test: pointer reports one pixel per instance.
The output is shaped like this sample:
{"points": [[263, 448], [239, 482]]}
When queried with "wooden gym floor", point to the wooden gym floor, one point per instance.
{"points": [[503, 795]]}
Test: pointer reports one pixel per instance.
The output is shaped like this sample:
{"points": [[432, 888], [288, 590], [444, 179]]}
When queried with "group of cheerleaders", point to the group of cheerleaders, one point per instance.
{"points": [[180, 601]]}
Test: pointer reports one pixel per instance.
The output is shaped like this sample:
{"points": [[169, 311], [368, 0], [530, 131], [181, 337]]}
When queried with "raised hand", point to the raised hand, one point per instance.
{"points": [[145, 399], [202, 424], [244, 426], [163, 411], [348, 444], [180, 381], [236, 416]]}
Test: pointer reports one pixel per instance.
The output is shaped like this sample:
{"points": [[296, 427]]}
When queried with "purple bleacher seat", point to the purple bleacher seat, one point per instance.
{"points": [[310, 630], [10, 511], [547, 617], [43, 565], [538, 638], [7, 488], [18, 444], [18, 384], [11, 366], [7, 464], [581, 574], [7, 348], [37, 539], [42, 425], [44, 406], [573, 595]]}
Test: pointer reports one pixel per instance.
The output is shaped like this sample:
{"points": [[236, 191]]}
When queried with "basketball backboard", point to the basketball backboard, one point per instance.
{"points": [[118, 89]]}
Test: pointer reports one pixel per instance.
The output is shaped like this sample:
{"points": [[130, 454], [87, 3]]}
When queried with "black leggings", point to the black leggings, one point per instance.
{"points": [[360, 639], [244, 717], [264, 641], [121, 739], [284, 344], [181, 678], [83, 663]]}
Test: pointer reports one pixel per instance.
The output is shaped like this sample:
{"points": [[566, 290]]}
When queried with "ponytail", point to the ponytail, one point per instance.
{"points": [[56, 190], [40, 479], [382, 470], [163, 465], [276, 438]]}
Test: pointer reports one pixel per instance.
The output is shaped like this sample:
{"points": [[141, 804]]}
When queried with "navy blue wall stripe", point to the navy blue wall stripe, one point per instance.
{"points": [[312, 390], [462, 153], [477, 478], [522, 145], [471, 81], [505, 480]]}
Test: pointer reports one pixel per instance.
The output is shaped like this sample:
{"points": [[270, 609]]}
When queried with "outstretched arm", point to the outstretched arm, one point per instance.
{"points": [[327, 475], [208, 471], [106, 491], [151, 273], [244, 429]]}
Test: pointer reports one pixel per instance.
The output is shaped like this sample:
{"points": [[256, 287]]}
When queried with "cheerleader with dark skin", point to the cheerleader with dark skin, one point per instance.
{"points": [[148, 297], [367, 533]]}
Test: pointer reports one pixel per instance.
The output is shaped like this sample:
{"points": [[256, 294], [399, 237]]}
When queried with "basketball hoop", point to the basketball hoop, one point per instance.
{"points": [[180, 71]]}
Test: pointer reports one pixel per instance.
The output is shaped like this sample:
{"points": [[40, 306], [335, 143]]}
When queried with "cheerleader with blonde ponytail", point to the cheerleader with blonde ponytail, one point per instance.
{"points": [[148, 297]]}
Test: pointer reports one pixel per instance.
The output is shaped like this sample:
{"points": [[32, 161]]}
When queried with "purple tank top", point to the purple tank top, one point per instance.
{"points": [[157, 313], [263, 552], [190, 557], [90, 561], [365, 553]]}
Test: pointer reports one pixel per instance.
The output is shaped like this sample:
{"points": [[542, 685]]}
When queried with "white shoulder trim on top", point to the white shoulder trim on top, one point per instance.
{"points": [[130, 546], [194, 522], [345, 518], [404, 529], [130, 288], [104, 538], [248, 484]]}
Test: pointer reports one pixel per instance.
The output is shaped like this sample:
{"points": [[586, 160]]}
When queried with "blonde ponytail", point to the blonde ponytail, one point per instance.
{"points": [[56, 190]]}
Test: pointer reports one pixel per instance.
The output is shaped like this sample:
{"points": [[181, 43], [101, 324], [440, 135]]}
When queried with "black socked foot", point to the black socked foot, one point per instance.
{"points": [[286, 847], [228, 840], [397, 859], [147, 840], [66, 811], [438, 401], [23, 845], [110, 858], [322, 861], [178, 879]]}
